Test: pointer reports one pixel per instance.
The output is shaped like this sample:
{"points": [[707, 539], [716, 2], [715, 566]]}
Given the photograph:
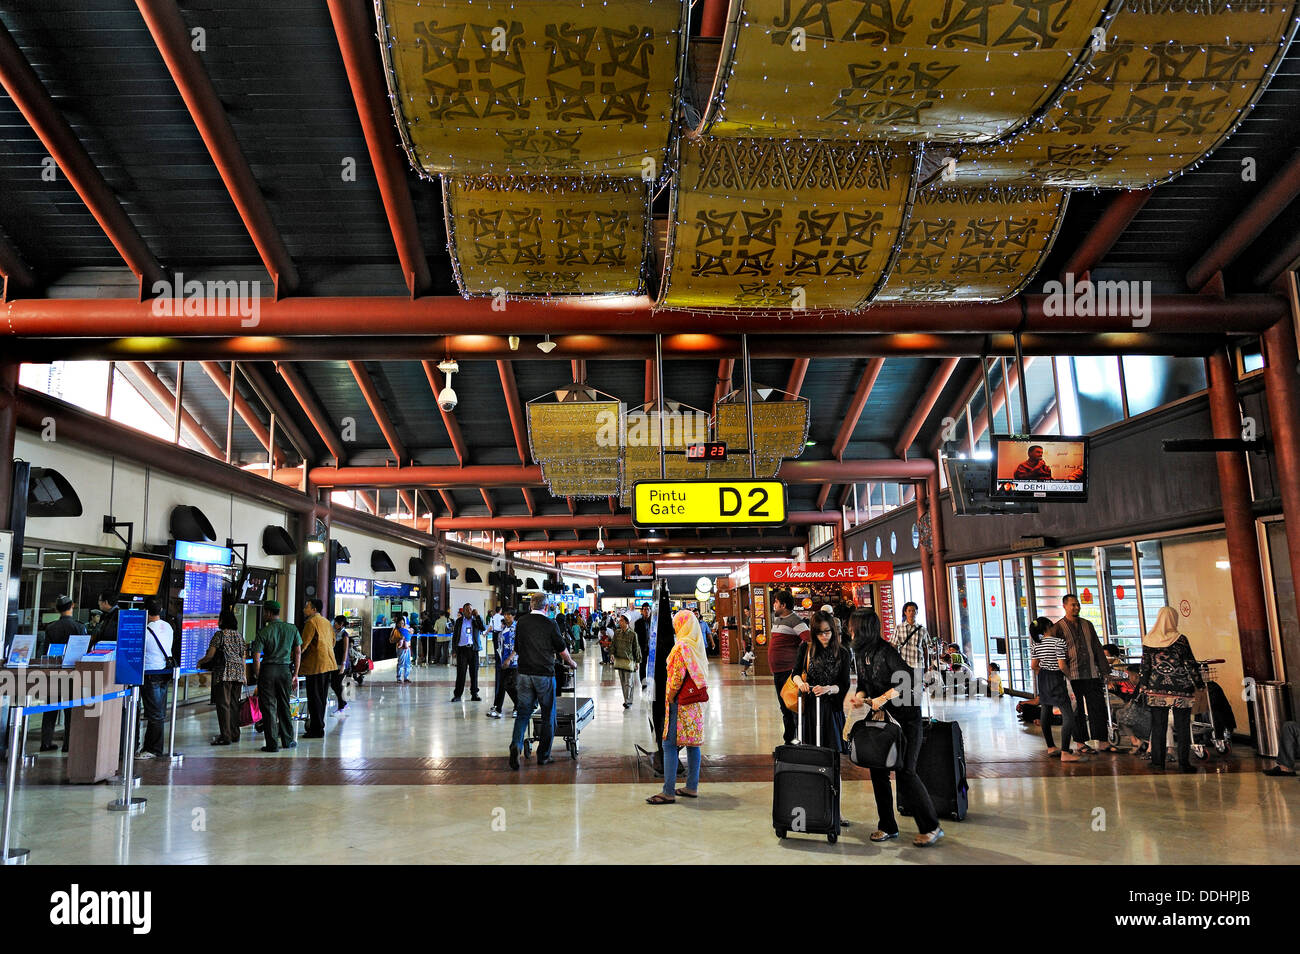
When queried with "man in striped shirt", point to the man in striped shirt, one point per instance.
{"points": [[788, 631]]}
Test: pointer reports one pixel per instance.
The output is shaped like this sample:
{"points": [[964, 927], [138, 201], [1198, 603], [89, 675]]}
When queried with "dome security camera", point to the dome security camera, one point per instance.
{"points": [[447, 399]]}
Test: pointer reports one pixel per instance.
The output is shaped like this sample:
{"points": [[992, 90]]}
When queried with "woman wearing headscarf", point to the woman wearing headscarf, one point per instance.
{"points": [[684, 726], [821, 673], [1170, 679], [884, 679]]}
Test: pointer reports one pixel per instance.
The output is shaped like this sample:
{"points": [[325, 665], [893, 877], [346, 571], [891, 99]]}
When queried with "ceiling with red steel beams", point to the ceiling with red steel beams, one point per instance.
{"points": [[271, 155]]}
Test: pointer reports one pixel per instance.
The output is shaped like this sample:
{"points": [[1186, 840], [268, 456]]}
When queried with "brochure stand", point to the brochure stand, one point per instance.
{"points": [[130, 671]]}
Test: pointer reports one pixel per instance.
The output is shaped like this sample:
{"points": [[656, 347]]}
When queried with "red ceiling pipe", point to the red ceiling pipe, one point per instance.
{"points": [[242, 408], [517, 424], [284, 421], [1101, 238], [794, 384], [1239, 522], [378, 411], [167, 398], [942, 628], [923, 408], [448, 417], [1259, 213], [565, 546], [172, 37], [92, 430], [470, 318], [354, 27], [927, 565], [311, 406], [54, 132], [713, 20]]}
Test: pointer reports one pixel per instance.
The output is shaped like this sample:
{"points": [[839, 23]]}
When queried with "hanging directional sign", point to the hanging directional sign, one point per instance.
{"points": [[708, 503]]}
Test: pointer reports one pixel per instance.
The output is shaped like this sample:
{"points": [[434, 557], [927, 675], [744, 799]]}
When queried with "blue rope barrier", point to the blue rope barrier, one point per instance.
{"points": [[93, 700]]}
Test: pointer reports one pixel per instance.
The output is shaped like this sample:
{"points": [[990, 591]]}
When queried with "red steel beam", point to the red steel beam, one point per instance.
{"points": [[59, 139], [566, 546], [822, 496], [311, 406], [242, 408], [447, 501], [798, 371], [487, 500], [1258, 214], [651, 381], [167, 397], [284, 421], [517, 424], [722, 386], [448, 417], [378, 411], [467, 318], [713, 18], [856, 407], [501, 475], [586, 521], [13, 269], [573, 507], [579, 368], [926, 405], [1101, 238], [528, 500], [172, 37], [354, 27]]}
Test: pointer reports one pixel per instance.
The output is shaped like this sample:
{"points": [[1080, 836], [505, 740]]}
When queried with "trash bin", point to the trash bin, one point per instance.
{"points": [[1269, 710]]}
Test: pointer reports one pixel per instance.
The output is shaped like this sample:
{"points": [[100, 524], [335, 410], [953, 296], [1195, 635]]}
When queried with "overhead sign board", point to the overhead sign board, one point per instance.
{"points": [[872, 571], [708, 503]]}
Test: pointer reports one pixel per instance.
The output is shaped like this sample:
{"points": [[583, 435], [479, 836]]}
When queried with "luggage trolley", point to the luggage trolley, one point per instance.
{"points": [[572, 714], [1204, 729]]}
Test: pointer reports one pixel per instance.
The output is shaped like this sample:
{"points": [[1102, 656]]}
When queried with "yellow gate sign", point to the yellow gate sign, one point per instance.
{"points": [[708, 503]]}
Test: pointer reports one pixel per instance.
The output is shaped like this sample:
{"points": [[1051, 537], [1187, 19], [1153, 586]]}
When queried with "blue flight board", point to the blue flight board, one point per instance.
{"points": [[130, 647]]}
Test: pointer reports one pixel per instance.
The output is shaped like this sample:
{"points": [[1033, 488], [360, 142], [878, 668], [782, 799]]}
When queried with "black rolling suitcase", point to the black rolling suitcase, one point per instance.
{"points": [[573, 713], [942, 769], [806, 787]]}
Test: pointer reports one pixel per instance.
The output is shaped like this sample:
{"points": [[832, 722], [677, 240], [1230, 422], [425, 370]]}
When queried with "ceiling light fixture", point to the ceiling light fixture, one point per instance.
{"points": [[600, 538], [546, 345], [514, 342]]}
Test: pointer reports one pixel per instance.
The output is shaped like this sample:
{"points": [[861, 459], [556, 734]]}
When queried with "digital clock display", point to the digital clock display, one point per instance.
{"points": [[713, 450]]}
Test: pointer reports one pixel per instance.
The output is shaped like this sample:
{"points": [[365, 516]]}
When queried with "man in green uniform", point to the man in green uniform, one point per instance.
{"points": [[277, 653]]}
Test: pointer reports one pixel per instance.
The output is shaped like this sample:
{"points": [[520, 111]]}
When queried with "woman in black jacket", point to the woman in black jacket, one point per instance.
{"points": [[885, 681], [821, 672]]}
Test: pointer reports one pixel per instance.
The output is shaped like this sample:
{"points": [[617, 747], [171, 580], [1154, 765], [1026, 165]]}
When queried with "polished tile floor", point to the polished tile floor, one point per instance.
{"points": [[405, 775]]}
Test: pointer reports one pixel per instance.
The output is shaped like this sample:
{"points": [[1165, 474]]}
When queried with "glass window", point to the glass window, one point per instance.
{"points": [[1016, 600], [94, 575], [968, 610], [1042, 396], [1087, 587], [1124, 620], [131, 408], [1051, 583], [83, 383], [1067, 397], [994, 621], [1151, 566], [1252, 356], [1097, 383], [1151, 381]]}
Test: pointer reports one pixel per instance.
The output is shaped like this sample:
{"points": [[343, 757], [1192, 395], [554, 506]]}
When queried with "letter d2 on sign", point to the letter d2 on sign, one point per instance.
{"points": [[708, 503]]}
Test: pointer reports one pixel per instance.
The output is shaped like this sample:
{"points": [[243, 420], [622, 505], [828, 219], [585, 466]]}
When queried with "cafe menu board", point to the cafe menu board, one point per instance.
{"points": [[142, 575]]}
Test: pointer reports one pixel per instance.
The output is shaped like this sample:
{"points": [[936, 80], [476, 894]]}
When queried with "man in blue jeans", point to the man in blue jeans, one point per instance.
{"points": [[537, 643], [158, 638]]}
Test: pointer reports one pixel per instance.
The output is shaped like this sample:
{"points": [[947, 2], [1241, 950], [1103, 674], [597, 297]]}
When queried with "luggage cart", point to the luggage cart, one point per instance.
{"points": [[1204, 730], [572, 714]]}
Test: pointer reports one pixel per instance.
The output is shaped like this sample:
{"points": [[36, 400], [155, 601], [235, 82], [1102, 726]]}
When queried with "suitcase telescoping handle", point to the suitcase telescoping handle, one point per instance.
{"points": [[799, 734]]}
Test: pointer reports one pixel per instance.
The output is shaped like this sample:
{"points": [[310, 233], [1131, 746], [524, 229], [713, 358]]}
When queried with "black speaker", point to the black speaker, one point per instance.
{"points": [[49, 494], [277, 542], [190, 523], [416, 568], [472, 575], [381, 562]]}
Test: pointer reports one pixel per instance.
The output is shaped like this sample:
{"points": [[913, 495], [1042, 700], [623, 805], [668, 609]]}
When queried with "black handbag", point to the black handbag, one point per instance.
{"points": [[218, 661], [877, 745]]}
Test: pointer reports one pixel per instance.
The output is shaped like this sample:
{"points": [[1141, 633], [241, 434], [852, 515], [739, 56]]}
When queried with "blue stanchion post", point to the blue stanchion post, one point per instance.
{"points": [[176, 757], [126, 803], [17, 725]]}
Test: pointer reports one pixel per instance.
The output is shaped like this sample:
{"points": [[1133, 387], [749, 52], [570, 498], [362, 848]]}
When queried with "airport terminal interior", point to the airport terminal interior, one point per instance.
{"points": [[885, 412]]}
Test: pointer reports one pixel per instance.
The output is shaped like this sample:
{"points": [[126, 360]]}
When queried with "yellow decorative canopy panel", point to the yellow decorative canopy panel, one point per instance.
{"points": [[558, 87], [974, 244], [682, 425], [578, 444], [530, 236], [768, 223], [780, 425], [1174, 79], [947, 70]]}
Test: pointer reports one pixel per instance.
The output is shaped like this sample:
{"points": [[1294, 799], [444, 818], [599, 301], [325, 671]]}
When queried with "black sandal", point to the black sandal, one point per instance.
{"points": [[685, 794], [659, 798]]}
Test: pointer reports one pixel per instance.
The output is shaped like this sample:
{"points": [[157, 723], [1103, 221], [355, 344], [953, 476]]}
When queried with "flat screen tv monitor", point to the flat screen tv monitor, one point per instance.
{"points": [[253, 589], [142, 574], [638, 571], [1040, 468]]}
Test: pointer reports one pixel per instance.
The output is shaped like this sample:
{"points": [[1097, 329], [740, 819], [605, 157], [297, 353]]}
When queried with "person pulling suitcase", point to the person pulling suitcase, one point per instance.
{"points": [[881, 673]]}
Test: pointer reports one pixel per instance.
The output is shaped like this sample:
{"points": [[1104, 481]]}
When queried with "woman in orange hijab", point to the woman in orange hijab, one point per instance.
{"points": [[684, 727]]}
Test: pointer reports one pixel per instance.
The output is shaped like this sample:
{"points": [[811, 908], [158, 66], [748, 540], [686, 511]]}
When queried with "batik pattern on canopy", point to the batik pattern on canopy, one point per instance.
{"points": [[940, 70], [1173, 81], [781, 224], [537, 237], [557, 88], [577, 442], [974, 244]]}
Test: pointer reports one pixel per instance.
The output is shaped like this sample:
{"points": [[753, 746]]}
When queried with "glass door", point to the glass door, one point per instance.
{"points": [[1016, 599], [995, 626], [1122, 604], [1151, 568], [1087, 587]]}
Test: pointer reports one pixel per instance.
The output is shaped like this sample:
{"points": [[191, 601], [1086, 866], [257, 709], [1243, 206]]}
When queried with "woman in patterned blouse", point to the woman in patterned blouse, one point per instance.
{"points": [[1170, 679], [684, 726], [228, 677]]}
